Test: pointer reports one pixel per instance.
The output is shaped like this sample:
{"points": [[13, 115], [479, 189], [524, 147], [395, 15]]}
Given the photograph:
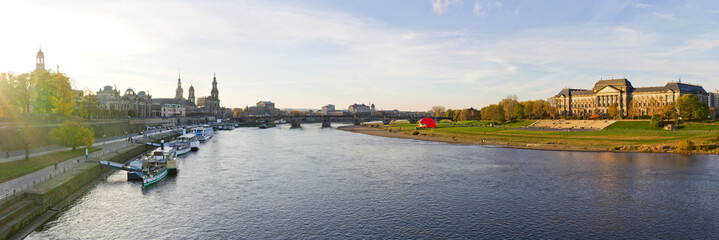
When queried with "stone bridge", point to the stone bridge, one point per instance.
{"points": [[356, 119]]}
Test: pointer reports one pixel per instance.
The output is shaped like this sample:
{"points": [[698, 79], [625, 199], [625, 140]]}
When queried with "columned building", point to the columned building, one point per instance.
{"points": [[620, 93]]}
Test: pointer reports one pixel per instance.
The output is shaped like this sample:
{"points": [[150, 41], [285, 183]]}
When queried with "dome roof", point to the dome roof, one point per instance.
{"points": [[141, 93], [129, 91], [107, 88]]}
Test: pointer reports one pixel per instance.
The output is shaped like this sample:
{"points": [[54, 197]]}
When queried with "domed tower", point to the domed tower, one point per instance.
{"points": [[40, 60], [191, 95], [178, 91]]}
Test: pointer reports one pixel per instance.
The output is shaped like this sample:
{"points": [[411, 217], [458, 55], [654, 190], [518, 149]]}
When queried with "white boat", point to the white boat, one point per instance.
{"points": [[203, 133], [187, 143]]}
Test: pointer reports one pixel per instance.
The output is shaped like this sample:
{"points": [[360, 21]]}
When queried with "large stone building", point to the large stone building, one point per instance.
{"points": [[141, 102], [628, 99], [263, 108]]}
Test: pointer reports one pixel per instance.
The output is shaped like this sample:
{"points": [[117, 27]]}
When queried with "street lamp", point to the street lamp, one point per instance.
{"points": [[25, 145]]}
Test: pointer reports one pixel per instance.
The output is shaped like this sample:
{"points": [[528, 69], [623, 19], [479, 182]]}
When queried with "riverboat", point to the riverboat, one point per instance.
{"points": [[203, 133], [157, 165], [186, 143]]}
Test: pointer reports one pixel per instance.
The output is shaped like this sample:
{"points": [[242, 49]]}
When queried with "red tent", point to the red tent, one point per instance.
{"points": [[427, 123]]}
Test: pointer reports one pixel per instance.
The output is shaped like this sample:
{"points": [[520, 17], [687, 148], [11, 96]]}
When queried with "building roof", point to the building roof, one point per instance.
{"points": [[574, 91], [621, 83], [683, 87], [649, 89]]}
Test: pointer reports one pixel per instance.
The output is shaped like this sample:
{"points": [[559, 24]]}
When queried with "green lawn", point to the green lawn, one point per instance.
{"points": [[644, 126], [14, 169], [631, 136], [630, 126]]}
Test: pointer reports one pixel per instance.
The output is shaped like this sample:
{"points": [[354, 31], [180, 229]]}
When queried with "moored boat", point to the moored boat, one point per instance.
{"points": [[156, 166], [186, 143], [203, 133]]}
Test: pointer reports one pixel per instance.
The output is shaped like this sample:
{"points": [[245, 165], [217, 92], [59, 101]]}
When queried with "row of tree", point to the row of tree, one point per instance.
{"points": [[688, 107], [41, 91], [509, 109]]}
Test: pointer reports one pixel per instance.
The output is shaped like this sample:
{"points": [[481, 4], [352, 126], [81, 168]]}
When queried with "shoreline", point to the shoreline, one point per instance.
{"points": [[458, 140]]}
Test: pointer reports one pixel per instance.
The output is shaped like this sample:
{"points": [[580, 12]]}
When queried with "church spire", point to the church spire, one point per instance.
{"points": [[40, 60]]}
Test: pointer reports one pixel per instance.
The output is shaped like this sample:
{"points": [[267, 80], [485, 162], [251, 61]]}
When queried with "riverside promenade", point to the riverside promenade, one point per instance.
{"points": [[68, 167]]}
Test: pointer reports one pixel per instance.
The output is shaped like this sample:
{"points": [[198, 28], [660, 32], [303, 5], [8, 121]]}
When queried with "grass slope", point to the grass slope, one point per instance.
{"points": [[14, 169]]}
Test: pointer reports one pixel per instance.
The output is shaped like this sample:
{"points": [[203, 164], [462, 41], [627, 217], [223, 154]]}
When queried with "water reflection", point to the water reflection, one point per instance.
{"points": [[325, 183]]}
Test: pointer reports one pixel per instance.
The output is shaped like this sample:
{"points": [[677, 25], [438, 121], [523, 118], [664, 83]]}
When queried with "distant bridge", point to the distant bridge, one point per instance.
{"points": [[355, 118]]}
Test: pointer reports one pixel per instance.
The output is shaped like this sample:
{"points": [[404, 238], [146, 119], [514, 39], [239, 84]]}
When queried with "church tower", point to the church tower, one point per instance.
{"points": [[191, 96], [214, 93], [40, 60], [178, 91]]}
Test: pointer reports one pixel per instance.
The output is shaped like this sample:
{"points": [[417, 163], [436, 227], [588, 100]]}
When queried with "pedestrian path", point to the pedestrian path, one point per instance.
{"points": [[21, 184]]}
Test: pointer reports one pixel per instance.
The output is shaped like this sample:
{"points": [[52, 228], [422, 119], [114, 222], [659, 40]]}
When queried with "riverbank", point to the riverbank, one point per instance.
{"points": [[23, 212], [594, 141]]}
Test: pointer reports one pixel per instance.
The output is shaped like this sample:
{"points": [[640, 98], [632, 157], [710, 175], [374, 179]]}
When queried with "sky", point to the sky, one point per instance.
{"points": [[406, 55]]}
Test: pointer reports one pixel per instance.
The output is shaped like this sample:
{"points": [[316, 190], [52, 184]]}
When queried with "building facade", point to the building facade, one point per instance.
{"points": [[140, 103], [620, 93], [173, 110], [359, 108], [263, 108]]}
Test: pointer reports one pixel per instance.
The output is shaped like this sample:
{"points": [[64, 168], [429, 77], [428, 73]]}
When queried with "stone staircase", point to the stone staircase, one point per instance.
{"points": [[14, 213]]}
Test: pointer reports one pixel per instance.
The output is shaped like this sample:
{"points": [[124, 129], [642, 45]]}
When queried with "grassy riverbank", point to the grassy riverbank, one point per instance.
{"points": [[605, 140], [14, 169]]}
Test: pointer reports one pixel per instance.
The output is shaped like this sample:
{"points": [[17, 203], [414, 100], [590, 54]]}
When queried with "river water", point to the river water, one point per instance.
{"points": [[283, 183]]}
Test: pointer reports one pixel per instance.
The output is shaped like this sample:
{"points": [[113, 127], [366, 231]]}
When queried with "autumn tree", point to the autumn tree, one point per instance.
{"points": [[613, 110], [237, 112], [469, 114], [72, 134], [669, 112], [449, 113], [511, 107], [132, 113], [493, 112], [23, 91], [437, 111], [690, 107], [88, 106]]}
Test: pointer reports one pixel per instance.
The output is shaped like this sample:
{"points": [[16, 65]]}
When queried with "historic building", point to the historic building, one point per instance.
{"points": [[173, 110], [628, 99], [263, 108], [141, 102], [360, 108]]}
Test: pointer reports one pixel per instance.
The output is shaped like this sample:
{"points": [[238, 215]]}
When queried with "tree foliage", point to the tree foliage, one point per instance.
{"points": [[88, 106], [72, 134], [493, 112], [613, 110], [237, 112], [691, 108], [469, 114], [656, 121], [437, 111]]}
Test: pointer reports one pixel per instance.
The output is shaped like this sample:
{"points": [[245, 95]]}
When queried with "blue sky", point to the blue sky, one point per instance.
{"points": [[407, 55]]}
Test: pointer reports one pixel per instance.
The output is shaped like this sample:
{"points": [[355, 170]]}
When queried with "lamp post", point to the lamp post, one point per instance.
{"points": [[25, 144]]}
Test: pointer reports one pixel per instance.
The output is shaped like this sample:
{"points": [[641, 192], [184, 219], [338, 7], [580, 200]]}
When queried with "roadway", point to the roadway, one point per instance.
{"points": [[20, 154]]}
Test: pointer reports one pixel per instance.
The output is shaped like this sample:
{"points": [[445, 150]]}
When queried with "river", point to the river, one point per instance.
{"points": [[283, 183]]}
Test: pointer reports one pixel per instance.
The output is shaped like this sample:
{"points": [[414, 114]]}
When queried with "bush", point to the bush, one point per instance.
{"points": [[686, 145], [656, 121], [415, 133]]}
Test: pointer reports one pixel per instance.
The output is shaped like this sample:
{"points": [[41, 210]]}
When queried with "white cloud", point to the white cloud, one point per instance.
{"points": [[440, 7], [480, 9], [643, 5], [667, 16]]}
